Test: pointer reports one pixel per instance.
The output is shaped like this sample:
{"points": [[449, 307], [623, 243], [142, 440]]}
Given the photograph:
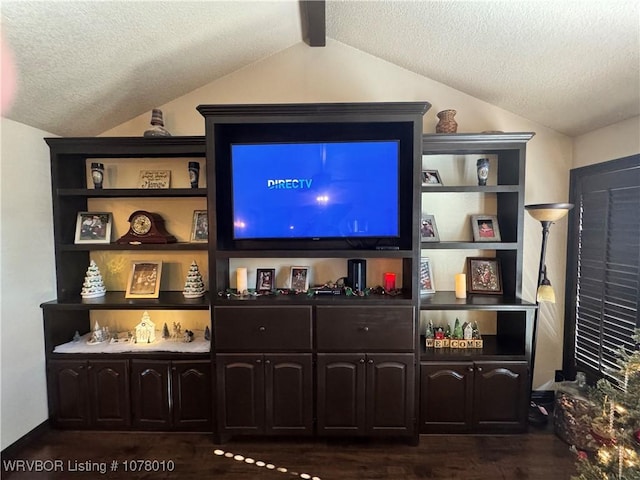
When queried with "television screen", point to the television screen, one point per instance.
{"points": [[315, 190]]}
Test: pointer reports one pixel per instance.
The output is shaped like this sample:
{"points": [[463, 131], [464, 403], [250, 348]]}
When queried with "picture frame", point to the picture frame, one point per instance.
{"points": [[431, 178], [484, 275], [428, 229], [485, 228], [200, 227], [93, 227], [265, 279], [144, 279], [299, 279], [427, 284]]}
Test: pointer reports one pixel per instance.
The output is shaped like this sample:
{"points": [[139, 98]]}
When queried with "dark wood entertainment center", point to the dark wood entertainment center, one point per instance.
{"points": [[293, 364]]}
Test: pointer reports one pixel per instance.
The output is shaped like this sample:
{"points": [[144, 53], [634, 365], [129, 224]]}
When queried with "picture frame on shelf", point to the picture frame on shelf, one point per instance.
{"points": [[484, 275], [299, 279], [428, 229], [485, 228], [265, 280], [200, 227], [93, 227], [431, 178], [427, 284], [144, 279]]}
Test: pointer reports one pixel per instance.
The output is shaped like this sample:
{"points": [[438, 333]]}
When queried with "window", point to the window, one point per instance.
{"points": [[603, 266]]}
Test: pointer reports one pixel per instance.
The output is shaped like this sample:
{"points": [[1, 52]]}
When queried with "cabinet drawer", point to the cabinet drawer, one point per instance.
{"points": [[365, 328], [262, 329]]}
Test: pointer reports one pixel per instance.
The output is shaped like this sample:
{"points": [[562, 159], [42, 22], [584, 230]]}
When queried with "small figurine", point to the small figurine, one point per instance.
{"points": [[145, 330], [176, 331], [165, 331], [188, 336], [457, 330], [467, 330], [207, 333], [76, 336]]}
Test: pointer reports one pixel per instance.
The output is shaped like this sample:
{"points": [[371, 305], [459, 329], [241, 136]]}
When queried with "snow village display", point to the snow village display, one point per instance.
{"points": [[93, 286], [466, 335], [99, 334], [194, 286]]}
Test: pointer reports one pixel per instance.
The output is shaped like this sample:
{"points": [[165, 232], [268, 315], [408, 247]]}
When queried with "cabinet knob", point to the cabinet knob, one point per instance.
{"points": [[479, 369], [262, 328], [268, 362], [173, 369], [362, 360], [258, 361], [371, 361], [470, 369], [364, 329], [89, 367]]}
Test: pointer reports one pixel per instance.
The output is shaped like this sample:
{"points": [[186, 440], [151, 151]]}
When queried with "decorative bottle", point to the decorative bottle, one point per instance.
{"points": [[157, 125]]}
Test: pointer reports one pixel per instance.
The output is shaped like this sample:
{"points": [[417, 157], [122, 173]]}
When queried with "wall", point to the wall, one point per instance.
{"points": [[27, 276], [338, 73], [615, 141]]}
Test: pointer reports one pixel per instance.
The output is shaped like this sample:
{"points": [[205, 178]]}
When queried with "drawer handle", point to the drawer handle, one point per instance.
{"points": [[262, 329]]}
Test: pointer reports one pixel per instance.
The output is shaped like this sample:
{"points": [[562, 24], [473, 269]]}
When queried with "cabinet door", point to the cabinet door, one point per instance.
{"points": [[109, 392], [151, 394], [191, 392], [446, 397], [341, 393], [240, 392], [288, 390], [69, 393], [390, 392], [500, 396]]}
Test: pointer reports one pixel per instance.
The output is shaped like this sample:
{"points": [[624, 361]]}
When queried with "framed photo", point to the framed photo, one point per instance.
{"points": [[428, 229], [431, 177], [485, 228], [200, 226], [144, 280], [427, 284], [484, 275], [265, 279], [299, 279], [93, 227]]}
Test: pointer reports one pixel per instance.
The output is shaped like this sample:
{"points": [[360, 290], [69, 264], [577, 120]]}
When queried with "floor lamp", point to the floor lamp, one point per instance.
{"points": [[546, 214]]}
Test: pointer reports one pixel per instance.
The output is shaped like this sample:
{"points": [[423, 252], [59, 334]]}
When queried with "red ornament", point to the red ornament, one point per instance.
{"points": [[636, 436]]}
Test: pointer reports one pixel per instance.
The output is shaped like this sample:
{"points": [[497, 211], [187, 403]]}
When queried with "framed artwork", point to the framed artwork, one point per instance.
{"points": [[431, 177], [265, 279], [299, 279], [200, 226], [484, 275], [93, 227], [485, 228], [144, 280], [427, 284], [428, 229]]}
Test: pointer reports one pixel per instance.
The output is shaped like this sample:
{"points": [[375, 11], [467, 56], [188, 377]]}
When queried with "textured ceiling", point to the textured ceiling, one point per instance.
{"points": [[85, 67]]}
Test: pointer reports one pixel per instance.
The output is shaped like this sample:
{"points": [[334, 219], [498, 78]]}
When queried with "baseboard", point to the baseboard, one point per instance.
{"points": [[12, 451], [543, 397]]}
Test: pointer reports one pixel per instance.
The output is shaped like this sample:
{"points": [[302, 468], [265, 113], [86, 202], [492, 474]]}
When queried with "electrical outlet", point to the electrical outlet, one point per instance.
{"points": [[559, 376]]}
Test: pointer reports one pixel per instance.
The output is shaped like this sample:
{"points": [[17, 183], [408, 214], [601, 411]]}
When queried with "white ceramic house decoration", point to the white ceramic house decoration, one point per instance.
{"points": [[146, 330]]}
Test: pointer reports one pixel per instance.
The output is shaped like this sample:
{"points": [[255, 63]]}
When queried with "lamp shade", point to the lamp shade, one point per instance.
{"points": [[548, 212]]}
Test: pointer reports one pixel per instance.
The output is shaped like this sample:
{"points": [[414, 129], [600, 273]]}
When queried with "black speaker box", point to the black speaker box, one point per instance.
{"points": [[357, 274]]}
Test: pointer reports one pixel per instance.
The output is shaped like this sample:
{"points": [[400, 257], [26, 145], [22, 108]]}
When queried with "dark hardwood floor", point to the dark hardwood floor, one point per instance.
{"points": [[536, 455]]}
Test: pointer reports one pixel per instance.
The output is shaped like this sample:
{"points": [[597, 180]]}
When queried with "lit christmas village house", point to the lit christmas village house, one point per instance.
{"points": [[145, 330]]}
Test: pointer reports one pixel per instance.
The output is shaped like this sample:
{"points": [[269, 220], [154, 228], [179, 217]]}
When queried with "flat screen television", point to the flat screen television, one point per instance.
{"points": [[314, 188]]}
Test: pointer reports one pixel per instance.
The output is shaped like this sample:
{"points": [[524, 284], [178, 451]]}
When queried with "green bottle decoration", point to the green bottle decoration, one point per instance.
{"points": [[447, 331], [429, 333]]}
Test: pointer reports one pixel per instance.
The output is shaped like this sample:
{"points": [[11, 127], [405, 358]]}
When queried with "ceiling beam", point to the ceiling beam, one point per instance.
{"points": [[312, 16]]}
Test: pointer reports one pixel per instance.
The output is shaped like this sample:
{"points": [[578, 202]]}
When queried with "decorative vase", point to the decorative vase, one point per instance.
{"points": [[447, 123], [97, 174], [483, 170], [157, 125]]}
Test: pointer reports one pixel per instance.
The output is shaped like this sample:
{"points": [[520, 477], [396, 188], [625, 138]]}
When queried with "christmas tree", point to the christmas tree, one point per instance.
{"points": [[615, 423], [194, 286], [93, 286]]}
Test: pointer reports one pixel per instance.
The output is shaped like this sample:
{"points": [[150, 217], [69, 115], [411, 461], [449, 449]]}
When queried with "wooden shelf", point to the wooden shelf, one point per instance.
{"points": [[448, 301], [117, 301], [493, 349], [84, 247], [469, 245], [131, 192]]}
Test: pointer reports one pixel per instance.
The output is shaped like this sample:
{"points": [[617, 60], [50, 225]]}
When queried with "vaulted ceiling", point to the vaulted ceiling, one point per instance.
{"points": [[573, 66]]}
